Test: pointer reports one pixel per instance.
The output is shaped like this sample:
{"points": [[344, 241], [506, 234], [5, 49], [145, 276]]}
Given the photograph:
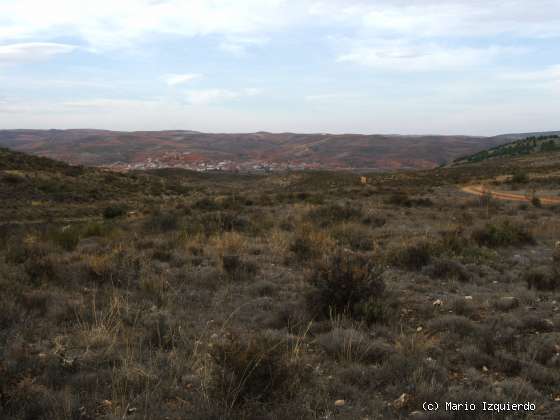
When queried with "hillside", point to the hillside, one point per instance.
{"points": [[170, 294], [526, 146], [205, 151], [33, 187]]}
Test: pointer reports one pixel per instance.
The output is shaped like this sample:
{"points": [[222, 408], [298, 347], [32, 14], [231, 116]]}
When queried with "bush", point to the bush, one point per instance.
{"points": [[519, 177], [163, 222], [118, 268], [399, 199], [329, 215], [444, 268], [412, 257], [347, 284], [249, 369], [354, 237], [221, 221], [304, 249], [403, 200], [542, 279], [115, 211], [236, 269], [350, 345], [96, 229], [503, 234], [67, 238]]}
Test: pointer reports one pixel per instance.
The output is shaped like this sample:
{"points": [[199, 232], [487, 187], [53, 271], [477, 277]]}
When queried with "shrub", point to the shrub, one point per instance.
{"points": [[444, 268], [41, 268], [96, 229], [350, 345], [303, 248], [12, 179], [249, 369], [163, 222], [236, 269], [117, 268], [354, 237], [453, 323], [399, 199], [114, 211], [20, 251], [454, 241], [221, 221], [206, 204], [502, 234], [413, 256], [402, 199], [67, 238], [520, 177], [329, 215], [346, 284], [542, 279]]}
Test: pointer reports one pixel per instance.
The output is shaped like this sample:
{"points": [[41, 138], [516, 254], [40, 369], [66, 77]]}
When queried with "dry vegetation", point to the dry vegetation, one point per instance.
{"points": [[173, 295]]}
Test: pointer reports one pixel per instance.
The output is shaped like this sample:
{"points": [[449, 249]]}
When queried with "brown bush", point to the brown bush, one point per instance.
{"points": [[347, 284], [250, 368]]}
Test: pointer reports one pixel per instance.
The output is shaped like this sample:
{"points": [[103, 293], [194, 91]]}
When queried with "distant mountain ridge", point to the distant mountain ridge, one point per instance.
{"points": [[246, 151]]}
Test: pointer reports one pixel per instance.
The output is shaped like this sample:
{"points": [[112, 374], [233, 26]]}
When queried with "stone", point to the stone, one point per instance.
{"points": [[340, 403], [508, 302], [401, 401]]}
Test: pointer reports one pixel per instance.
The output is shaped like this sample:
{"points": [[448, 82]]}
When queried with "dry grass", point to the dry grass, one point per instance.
{"points": [[230, 303]]}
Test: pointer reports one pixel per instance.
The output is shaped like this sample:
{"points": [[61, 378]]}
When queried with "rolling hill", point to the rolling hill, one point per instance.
{"points": [[262, 150], [526, 146]]}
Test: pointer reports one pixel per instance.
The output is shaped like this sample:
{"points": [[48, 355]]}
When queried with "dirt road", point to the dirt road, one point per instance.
{"points": [[499, 195]]}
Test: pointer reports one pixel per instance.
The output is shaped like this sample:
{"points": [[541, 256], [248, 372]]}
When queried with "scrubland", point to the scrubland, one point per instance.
{"points": [[174, 295]]}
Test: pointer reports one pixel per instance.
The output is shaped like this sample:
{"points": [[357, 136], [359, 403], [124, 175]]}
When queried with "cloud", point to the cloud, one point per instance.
{"points": [[212, 96], [454, 18], [179, 79], [406, 56], [32, 51], [238, 46], [548, 74], [333, 97], [107, 24]]}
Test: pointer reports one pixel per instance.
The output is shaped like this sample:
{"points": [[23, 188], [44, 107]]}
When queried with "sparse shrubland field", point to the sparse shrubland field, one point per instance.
{"points": [[177, 295]]}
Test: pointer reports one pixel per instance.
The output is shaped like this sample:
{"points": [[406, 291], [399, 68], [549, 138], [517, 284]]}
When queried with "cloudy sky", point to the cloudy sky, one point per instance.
{"points": [[387, 66]]}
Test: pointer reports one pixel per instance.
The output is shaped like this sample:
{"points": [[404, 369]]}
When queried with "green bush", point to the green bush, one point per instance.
{"points": [[502, 234], [329, 215], [163, 222], [67, 238], [413, 256], [114, 211], [520, 177]]}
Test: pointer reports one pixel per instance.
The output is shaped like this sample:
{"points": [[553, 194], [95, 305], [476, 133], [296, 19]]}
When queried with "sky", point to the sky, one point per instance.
{"points": [[478, 67]]}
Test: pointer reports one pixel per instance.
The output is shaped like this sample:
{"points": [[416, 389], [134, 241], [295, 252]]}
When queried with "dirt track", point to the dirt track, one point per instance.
{"points": [[498, 195]]}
